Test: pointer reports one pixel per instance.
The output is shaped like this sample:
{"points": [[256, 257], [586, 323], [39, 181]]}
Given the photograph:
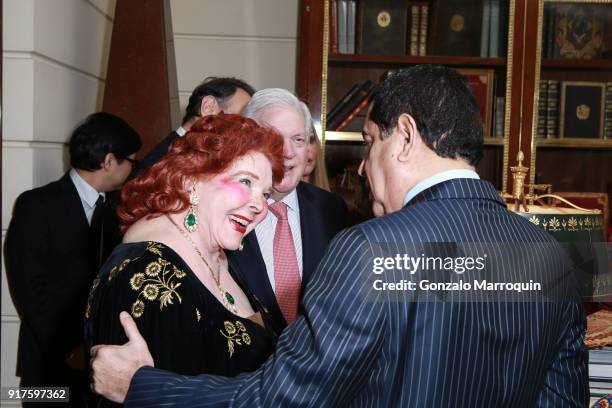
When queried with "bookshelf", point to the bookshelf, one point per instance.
{"points": [[522, 54]]}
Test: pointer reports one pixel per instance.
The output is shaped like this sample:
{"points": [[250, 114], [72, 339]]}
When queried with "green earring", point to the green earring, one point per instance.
{"points": [[191, 220]]}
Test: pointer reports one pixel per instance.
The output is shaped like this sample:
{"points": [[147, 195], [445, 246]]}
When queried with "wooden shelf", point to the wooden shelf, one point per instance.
{"points": [[577, 63], [332, 136], [576, 143], [413, 60]]}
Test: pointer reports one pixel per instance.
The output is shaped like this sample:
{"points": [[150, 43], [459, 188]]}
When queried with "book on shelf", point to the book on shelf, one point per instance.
{"points": [[334, 110], [608, 112], [349, 105], [494, 28], [581, 109], [358, 109], [342, 26], [456, 28], [552, 109], [414, 11], [542, 103], [500, 116], [350, 26], [382, 27], [482, 83], [333, 27], [423, 25], [484, 32]]}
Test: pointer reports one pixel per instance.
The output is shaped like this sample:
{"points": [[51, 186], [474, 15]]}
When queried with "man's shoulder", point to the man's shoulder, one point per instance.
{"points": [[41, 194], [312, 192]]}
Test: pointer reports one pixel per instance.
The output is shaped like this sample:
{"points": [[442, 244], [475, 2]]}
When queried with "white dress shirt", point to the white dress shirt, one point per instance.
{"points": [[266, 229], [180, 131], [87, 193]]}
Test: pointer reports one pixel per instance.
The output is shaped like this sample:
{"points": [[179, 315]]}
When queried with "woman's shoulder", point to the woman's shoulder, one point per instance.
{"points": [[145, 272]]}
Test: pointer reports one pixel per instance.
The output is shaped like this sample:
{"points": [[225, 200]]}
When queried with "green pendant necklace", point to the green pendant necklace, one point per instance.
{"points": [[226, 297]]}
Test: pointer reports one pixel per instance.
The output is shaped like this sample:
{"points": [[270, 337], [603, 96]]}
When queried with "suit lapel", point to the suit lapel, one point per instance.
{"points": [[251, 269], [312, 235]]}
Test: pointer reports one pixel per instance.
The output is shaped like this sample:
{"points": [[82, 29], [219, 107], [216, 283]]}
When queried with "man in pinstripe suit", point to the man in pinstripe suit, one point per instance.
{"points": [[355, 348]]}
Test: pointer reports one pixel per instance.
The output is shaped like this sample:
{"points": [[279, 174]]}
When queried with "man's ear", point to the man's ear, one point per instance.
{"points": [[407, 131], [209, 106], [108, 161]]}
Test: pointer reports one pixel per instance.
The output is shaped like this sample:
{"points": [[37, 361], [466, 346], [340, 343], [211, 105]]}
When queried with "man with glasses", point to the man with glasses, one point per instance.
{"points": [[56, 241], [213, 95]]}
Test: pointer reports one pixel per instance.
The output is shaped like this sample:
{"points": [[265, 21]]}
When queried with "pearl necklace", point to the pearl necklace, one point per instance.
{"points": [[226, 297]]}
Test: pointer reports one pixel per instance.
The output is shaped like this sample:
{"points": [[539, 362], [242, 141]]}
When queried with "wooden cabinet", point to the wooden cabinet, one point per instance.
{"points": [[518, 43]]}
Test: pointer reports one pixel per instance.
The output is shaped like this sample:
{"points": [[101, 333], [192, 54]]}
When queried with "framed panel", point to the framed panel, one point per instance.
{"points": [[582, 110], [481, 81]]}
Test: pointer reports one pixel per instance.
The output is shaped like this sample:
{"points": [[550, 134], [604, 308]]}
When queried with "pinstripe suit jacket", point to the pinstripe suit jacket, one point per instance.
{"points": [[346, 351]]}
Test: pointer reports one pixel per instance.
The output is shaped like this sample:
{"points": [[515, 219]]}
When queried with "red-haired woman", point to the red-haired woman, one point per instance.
{"points": [[171, 272]]}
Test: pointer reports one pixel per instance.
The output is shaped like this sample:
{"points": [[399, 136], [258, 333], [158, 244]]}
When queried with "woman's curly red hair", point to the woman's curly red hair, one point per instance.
{"points": [[210, 147]]}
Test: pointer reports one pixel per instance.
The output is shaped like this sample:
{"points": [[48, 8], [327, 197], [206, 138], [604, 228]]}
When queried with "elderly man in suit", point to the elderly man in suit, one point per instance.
{"points": [[56, 241], [213, 95], [355, 346], [278, 259]]}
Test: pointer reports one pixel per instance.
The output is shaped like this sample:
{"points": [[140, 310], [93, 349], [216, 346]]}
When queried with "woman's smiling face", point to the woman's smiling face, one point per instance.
{"points": [[233, 202]]}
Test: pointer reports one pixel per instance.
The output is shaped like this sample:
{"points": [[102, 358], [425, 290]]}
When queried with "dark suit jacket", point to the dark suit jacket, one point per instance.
{"points": [[50, 265], [322, 216], [349, 350], [157, 152]]}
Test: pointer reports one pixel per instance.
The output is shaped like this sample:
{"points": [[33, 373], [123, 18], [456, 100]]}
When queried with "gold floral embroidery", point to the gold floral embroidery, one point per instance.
{"points": [[113, 272], [150, 292], [153, 269], [138, 308], [157, 282], [236, 334], [198, 315], [155, 248], [137, 280], [123, 264], [179, 274], [94, 285]]}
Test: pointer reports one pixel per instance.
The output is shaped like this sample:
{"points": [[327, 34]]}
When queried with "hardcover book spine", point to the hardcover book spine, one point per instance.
{"points": [[334, 110], [608, 112], [354, 113], [423, 18], [494, 29], [542, 107], [414, 29], [333, 27], [350, 26], [342, 28], [347, 108], [484, 33], [552, 110], [500, 115]]}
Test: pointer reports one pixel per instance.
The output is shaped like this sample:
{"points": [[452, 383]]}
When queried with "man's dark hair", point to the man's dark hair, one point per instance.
{"points": [[99, 134], [220, 88], [442, 105]]}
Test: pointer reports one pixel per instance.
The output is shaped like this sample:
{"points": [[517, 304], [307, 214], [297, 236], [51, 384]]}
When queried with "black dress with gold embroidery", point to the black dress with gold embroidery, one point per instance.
{"points": [[187, 329]]}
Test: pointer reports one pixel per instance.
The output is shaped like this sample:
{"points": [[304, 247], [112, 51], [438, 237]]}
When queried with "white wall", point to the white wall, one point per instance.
{"points": [[54, 64], [254, 40]]}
